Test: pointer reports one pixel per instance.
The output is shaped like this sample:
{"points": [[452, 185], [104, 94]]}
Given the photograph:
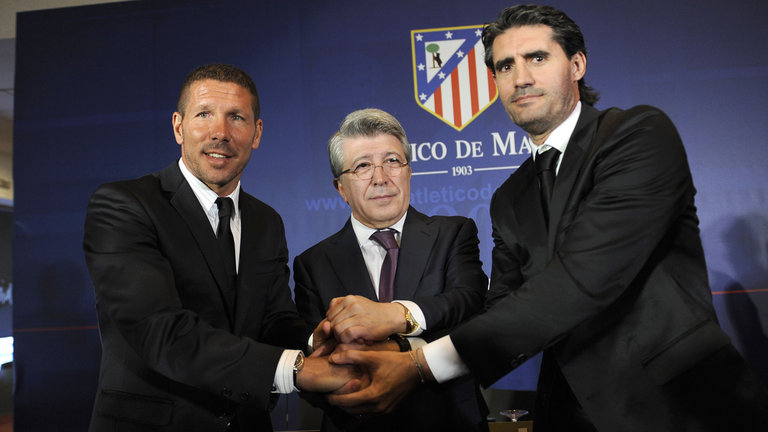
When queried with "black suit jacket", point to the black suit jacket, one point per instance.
{"points": [[439, 269], [616, 291], [180, 351]]}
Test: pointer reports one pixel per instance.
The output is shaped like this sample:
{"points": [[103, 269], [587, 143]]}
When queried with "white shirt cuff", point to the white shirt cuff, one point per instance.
{"points": [[416, 343], [443, 360], [417, 314], [283, 382]]}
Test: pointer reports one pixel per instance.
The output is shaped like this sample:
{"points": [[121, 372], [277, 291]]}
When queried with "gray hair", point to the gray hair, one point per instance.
{"points": [[368, 122]]}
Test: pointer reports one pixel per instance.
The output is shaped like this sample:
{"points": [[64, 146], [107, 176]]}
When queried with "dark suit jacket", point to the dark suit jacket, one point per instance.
{"points": [[179, 350], [616, 292], [439, 269]]}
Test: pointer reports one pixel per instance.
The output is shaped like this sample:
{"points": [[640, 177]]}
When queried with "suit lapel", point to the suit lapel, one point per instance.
{"points": [[570, 167], [419, 236], [185, 202], [250, 245], [347, 262]]}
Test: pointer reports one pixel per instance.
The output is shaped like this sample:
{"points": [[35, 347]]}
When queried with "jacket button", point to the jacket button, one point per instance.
{"points": [[226, 392], [244, 396]]}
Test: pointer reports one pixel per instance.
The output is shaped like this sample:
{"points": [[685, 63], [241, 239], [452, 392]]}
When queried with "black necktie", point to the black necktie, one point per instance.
{"points": [[224, 236], [545, 168], [387, 240]]}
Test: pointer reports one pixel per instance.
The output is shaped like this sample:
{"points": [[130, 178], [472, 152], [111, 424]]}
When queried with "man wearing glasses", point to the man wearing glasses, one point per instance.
{"points": [[392, 278]]}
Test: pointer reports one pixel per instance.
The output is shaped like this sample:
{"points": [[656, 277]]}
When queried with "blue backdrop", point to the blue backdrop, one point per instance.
{"points": [[96, 87]]}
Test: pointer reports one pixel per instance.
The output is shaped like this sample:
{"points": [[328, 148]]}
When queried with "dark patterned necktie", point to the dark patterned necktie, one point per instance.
{"points": [[545, 168], [387, 240]]}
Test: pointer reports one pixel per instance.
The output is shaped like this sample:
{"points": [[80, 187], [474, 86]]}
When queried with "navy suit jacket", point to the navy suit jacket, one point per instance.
{"points": [[439, 269], [615, 291], [181, 350]]}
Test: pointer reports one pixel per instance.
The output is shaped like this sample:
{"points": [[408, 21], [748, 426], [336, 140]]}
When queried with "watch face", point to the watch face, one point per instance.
{"points": [[299, 361], [411, 324]]}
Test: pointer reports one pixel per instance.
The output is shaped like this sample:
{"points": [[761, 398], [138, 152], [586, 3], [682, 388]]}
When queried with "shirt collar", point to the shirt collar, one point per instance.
{"points": [[363, 233], [562, 134], [204, 194]]}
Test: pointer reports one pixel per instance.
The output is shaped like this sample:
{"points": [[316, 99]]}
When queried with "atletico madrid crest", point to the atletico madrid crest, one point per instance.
{"points": [[450, 78]]}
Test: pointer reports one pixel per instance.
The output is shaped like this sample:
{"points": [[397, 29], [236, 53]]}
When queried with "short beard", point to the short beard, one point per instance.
{"points": [[536, 126]]}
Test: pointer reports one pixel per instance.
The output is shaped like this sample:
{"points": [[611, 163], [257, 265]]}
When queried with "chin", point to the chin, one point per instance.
{"points": [[534, 126]]}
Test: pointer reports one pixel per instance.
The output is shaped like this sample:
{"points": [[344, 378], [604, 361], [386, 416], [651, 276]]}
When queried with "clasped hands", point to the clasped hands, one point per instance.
{"points": [[354, 336]]}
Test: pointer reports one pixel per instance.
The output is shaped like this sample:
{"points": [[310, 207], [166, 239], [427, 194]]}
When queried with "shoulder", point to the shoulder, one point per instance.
{"points": [[138, 189], [639, 143], [642, 128], [256, 210], [144, 187], [622, 121], [443, 226], [445, 222], [333, 241]]}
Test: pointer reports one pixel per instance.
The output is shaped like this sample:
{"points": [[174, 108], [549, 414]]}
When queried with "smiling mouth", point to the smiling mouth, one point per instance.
{"points": [[217, 155]]}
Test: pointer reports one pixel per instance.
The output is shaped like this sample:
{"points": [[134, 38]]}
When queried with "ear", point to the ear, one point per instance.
{"points": [[340, 187], [257, 135], [177, 131], [578, 66]]}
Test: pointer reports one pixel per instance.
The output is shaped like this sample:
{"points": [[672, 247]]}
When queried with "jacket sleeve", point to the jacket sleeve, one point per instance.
{"points": [[308, 300], [463, 282]]}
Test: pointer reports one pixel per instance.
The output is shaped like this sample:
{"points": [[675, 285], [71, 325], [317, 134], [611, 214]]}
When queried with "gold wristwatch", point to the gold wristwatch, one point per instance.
{"points": [[297, 365], [411, 325]]}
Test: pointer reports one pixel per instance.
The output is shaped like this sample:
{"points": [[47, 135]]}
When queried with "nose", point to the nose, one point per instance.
{"points": [[523, 77], [220, 129], [379, 176]]}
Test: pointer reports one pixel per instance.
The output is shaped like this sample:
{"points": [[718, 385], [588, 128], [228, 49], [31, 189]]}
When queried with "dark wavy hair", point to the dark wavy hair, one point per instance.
{"points": [[219, 72], [564, 31]]}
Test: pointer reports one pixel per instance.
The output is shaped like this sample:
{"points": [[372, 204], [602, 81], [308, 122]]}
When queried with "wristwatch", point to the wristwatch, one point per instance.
{"points": [[401, 342], [297, 365], [411, 325]]}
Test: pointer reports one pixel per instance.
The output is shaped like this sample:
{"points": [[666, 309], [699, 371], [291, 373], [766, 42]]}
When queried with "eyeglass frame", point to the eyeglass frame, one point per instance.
{"points": [[373, 169]]}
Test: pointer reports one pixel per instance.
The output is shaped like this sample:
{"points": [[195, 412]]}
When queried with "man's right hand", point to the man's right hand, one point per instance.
{"points": [[320, 376], [392, 376]]}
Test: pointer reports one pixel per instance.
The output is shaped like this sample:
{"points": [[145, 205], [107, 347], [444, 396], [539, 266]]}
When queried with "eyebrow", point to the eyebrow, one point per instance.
{"points": [[528, 55], [234, 110], [370, 156]]}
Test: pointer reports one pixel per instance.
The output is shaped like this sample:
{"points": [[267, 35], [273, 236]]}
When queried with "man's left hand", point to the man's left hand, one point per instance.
{"points": [[360, 320], [392, 376]]}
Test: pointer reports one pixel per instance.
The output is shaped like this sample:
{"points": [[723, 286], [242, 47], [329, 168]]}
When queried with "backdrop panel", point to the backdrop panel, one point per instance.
{"points": [[96, 87]]}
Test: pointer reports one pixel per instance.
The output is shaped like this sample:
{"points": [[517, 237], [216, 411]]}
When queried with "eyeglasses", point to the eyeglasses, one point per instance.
{"points": [[364, 170]]}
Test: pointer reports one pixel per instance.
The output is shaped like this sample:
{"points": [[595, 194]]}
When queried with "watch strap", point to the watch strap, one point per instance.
{"points": [[401, 342]]}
